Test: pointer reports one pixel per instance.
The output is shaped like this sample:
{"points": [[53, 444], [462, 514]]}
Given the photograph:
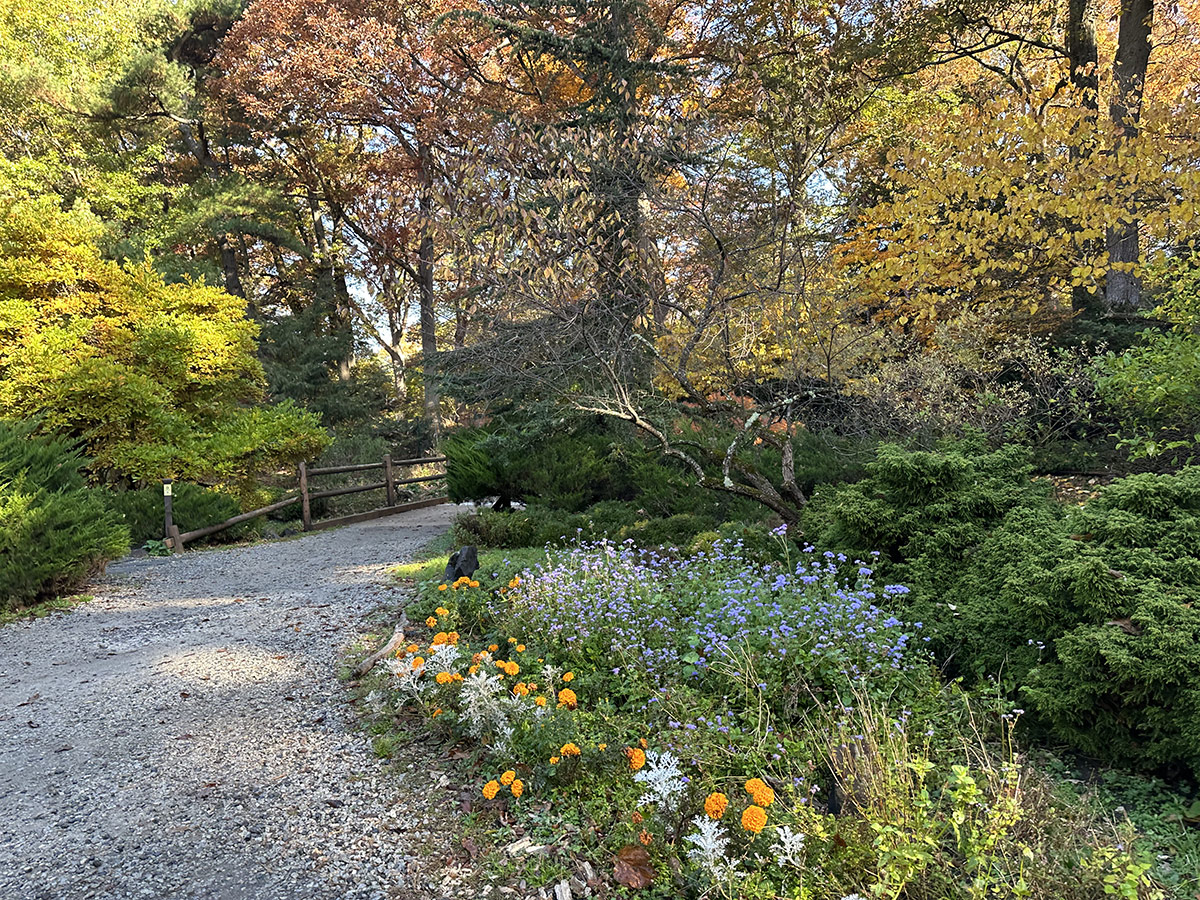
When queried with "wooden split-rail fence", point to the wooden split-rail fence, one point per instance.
{"points": [[304, 495]]}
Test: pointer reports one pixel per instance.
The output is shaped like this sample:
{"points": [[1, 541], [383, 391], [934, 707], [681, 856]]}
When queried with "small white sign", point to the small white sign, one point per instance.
{"points": [[166, 490]]}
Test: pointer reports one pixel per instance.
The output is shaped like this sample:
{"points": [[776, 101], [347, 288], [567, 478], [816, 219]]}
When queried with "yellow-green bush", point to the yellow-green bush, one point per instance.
{"points": [[152, 379]]}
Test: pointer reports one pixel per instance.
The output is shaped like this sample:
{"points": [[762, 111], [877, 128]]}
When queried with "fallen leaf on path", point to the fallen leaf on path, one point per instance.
{"points": [[633, 867]]}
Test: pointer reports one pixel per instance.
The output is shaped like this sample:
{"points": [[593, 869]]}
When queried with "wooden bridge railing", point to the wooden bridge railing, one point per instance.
{"points": [[304, 496]]}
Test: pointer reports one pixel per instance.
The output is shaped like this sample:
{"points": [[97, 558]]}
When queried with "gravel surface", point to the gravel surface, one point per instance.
{"points": [[184, 735]]}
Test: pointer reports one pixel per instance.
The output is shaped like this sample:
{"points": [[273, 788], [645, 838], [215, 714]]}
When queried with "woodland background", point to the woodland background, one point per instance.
{"points": [[917, 279]]}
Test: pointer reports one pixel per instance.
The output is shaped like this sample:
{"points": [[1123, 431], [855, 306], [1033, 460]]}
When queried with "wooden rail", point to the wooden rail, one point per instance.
{"points": [[176, 540]]}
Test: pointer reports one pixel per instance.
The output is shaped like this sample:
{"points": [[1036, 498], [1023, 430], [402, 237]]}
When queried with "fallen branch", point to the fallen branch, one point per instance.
{"points": [[390, 647]]}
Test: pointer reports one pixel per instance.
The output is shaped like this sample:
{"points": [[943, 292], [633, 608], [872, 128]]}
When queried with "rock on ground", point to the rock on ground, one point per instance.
{"points": [[184, 735]]}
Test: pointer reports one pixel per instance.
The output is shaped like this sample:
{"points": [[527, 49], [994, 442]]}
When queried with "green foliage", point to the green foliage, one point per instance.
{"points": [[54, 531], [1155, 384], [1124, 680], [155, 380], [1087, 614], [538, 526], [301, 356], [566, 467], [924, 511], [585, 465], [192, 507]]}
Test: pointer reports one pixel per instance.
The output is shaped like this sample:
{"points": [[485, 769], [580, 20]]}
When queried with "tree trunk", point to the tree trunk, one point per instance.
{"points": [[425, 262], [197, 143], [1123, 288], [1083, 58], [331, 278], [1082, 55], [229, 267], [398, 363]]}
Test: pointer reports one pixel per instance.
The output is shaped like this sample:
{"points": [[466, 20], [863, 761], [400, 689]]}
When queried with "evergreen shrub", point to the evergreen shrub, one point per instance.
{"points": [[54, 530], [1087, 614], [538, 527], [192, 507]]}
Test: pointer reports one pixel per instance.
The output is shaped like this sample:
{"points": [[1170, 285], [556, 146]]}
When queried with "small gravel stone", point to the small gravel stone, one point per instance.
{"points": [[184, 735]]}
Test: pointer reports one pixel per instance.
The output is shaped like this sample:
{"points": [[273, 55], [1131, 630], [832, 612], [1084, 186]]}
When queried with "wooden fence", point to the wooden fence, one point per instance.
{"points": [[304, 496]]}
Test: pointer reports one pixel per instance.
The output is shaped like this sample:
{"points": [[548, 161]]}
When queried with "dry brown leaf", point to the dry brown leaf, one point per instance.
{"points": [[633, 867]]}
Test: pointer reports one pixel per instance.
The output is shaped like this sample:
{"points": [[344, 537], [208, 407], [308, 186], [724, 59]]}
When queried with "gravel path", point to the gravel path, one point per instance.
{"points": [[184, 735]]}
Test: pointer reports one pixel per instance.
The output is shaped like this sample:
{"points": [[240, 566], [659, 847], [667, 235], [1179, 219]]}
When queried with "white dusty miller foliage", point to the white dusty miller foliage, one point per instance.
{"points": [[485, 705], [408, 678], [662, 778], [789, 847], [444, 658], [710, 849]]}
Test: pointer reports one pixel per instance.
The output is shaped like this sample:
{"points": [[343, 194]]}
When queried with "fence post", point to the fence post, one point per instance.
{"points": [[168, 520], [388, 477], [170, 531], [305, 508]]}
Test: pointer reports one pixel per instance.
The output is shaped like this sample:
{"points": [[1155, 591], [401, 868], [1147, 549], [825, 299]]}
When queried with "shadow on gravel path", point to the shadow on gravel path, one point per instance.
{"points": [[184, 734]]}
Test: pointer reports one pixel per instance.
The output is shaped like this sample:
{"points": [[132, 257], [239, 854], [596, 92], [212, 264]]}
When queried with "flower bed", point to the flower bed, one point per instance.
{"points": [[726, 727]]}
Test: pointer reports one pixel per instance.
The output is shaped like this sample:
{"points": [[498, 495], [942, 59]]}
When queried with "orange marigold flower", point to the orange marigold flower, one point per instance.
{"points": [[532, 686], [412, 648], [442, 587], [760, 792], [569, 749], [491, 789], [516, 582], [443, 678], [554, 760], [602, 747], [754, 819], [715, 805], [540, 701], [492, 648], [643, 744], [437, 712], [645, 837], [512, 640], [568, 676], [637, 817], [507, 778], [517, 787], [474, 584], [472, 670], [452, 637], [431, 622], [442, 611], [637, 757], [512, 668], [520, 648], [418, 662], [440, 638], [456, 677], [567, 698]]}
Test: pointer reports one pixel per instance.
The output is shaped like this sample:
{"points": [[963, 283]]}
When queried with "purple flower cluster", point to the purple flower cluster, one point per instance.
{"points": [[605, 603], [648, 615], [814, 610]]}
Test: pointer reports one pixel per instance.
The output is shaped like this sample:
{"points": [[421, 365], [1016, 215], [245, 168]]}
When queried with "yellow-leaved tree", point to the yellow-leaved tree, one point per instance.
{"points": [[1009, 209], [153, 379]]}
